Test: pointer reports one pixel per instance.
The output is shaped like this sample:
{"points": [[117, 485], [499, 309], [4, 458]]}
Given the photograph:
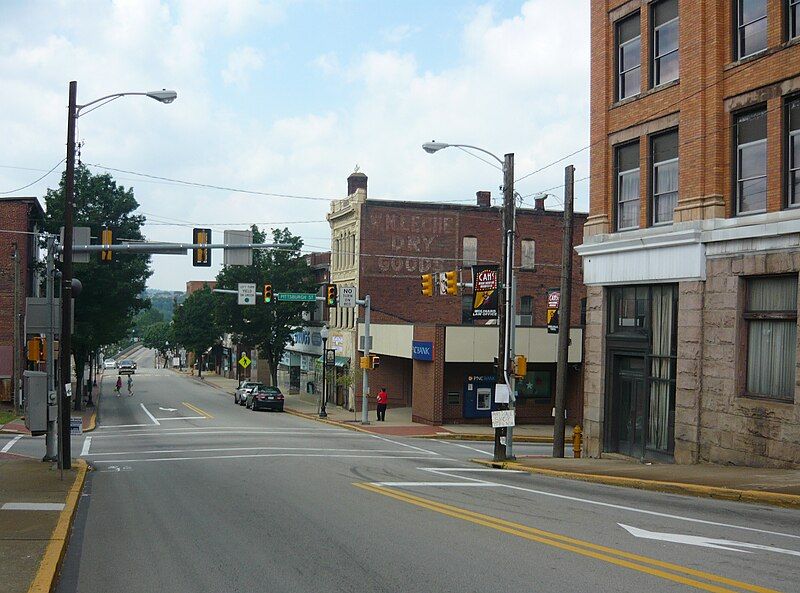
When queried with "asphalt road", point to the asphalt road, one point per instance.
{"points": [[193, 493]]}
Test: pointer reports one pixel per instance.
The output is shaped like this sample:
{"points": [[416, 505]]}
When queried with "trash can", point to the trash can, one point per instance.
{"points": [[310, 387]]}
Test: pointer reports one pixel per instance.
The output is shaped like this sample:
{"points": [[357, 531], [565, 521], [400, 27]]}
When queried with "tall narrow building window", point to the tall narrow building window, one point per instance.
{"points": [[665, 41], [629, 57], [771, 318], [665, 176], [794, 19], [793, 144], [627, 166], [751, 20], [470, 251], [751, 161]]}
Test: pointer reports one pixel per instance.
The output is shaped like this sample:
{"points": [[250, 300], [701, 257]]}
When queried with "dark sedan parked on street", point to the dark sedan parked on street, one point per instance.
{"points": [[265, 398]]}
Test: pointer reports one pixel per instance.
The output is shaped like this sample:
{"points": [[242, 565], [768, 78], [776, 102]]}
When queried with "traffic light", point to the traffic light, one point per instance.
{"points": [[427, 285], [332, 295], [37, 350], [369, 362], [201, 256], [520, 367], [375, 362], [268, 293], [451, 281], [364, 362], [106, 238]]}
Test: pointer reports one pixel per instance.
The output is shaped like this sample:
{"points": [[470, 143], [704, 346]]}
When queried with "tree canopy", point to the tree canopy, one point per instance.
{"points": [[268, 327], [194, 325], [111, 290]]}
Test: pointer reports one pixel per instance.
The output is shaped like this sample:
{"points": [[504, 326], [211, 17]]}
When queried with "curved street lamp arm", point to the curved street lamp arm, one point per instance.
{"points": [[109, 97], [494, 156]]}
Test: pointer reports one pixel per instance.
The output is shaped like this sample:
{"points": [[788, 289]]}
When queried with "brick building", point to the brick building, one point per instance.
{"points": [[691, 247], [434, 357], [19, 217]]}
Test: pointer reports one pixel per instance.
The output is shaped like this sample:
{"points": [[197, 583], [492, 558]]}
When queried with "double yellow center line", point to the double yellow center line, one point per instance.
{"points": [[665, 570], [198, 410]]}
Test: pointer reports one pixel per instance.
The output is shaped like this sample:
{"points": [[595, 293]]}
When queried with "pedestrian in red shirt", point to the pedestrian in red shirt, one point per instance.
{"points": [[383, 399]]}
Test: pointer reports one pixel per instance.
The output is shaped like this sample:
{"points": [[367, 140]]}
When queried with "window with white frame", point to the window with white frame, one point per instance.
{"points": [[794, 19], [793, 156], [771, 318], [629, 57], [664, 156], [470, 251], [528, 255], [627, 166], [751, 161], [665, 41], [751, 30]]}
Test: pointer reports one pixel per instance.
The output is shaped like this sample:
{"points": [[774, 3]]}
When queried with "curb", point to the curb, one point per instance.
{"points": [[50, 565], [717, 492], [323, 421], [486, 437]]}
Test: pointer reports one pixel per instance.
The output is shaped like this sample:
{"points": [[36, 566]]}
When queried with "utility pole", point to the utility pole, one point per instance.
{"points": [[17, 357], [564, 308], [506, 316], [65, 346], [364, 374]]}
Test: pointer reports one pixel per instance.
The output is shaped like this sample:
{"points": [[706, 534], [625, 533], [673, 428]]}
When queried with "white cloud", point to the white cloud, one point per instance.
{"points": [[242, 63], [327, 63], [399, 33]]}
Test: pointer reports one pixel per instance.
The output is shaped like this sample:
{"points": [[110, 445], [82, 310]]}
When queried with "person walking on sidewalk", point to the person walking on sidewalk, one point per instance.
{"points": [[383, 399], [119, 385]]}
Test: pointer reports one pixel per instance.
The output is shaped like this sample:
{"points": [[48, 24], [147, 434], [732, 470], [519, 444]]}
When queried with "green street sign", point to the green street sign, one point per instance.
{"points": [[296, 296]]}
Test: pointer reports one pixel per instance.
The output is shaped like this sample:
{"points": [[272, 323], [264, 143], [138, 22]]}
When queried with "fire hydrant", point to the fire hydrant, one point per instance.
{"points": [[577, 438]]}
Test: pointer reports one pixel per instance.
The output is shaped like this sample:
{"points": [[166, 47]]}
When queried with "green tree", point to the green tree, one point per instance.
{"points": [[111, 293], [194, 327], [160, 337], [268, 327]]}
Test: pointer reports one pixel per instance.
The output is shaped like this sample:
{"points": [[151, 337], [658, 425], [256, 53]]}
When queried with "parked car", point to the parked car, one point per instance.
{"points": [[109, 363], [265, 398], [127, 367], [240, 395]]}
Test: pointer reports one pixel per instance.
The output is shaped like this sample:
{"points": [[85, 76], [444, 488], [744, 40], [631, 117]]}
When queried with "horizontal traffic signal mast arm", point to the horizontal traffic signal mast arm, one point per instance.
{"points": [[172, 248]]}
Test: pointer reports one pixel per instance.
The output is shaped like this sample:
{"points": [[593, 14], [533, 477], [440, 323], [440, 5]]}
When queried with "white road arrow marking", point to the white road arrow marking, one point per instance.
{"points": [[168, 409], [705, 542]]}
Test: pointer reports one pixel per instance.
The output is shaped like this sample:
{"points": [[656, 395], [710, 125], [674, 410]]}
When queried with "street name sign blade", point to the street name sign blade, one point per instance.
{"points": [[247, 293], [347, 296], [296, 297]]}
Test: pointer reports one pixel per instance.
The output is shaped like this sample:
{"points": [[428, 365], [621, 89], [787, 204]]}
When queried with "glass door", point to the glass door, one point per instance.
{"points": [[628, 405]]}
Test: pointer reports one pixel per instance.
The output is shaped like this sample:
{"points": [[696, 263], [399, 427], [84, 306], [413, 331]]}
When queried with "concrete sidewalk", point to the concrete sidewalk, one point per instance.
{"points": [[748, 484], [398, 420], [32, 540]]}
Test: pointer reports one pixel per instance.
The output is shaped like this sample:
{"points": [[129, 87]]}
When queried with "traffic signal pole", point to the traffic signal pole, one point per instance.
{"points": [[364, 374]]}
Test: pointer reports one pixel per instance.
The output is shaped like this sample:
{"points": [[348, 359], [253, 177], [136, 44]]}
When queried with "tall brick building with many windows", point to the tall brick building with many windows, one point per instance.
{"points": [[692, 247], [434, 357]]}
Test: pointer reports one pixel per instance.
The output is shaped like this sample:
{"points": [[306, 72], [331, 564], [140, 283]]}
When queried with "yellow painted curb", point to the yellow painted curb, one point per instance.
{"points": [[755, 496], [45, 578]]}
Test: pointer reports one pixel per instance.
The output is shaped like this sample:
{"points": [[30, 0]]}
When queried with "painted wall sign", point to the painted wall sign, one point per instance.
{"points": [[421, 350]]}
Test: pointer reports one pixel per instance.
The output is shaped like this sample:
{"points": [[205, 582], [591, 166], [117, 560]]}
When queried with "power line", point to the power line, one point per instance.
{"points": [[12, 191]]}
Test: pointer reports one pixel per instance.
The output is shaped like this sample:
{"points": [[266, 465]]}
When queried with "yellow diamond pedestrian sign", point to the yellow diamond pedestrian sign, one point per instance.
{"points": [[244, 361]]}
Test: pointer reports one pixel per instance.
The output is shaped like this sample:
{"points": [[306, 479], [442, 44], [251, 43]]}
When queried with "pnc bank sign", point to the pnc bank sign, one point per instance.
{"points": [[421, 350]]}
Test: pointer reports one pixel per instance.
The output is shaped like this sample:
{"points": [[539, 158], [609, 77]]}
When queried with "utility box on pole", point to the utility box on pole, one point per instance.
{"points": [[34, 389]]}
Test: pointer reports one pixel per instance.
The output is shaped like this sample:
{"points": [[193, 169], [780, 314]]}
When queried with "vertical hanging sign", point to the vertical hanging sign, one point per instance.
{"points": [[484, 292]]}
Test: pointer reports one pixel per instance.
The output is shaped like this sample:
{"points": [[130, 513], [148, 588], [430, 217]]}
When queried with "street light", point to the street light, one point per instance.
{"points": [[73, 113], [324, 333], [506, 314]]}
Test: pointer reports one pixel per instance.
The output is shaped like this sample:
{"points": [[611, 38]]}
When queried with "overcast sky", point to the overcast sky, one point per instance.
{"points": [[288, 97]]}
